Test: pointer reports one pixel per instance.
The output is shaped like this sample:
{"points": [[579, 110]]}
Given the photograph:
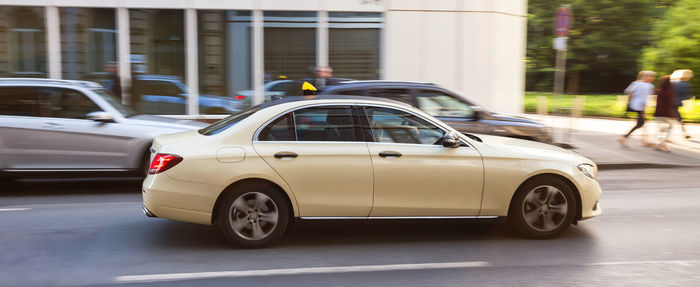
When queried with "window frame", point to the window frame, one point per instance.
{"points": [[37, 106], [359, 137], [416, 92], [409, 91], [367, 121], [43, 113]]}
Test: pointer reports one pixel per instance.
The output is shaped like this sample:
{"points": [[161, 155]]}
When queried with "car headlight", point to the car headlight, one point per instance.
{"points": [[587, 169]]}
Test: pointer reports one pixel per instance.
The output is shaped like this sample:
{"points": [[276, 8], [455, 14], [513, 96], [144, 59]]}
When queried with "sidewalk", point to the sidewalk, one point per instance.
{"points": [[597, 139]]}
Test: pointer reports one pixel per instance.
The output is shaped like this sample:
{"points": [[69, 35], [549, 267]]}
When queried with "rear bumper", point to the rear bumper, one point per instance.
{"points": [[147, 212], [169, 198]]}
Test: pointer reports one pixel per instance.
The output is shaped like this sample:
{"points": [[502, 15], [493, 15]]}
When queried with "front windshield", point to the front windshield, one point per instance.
{"points": [[228, 122], [125, 111]]}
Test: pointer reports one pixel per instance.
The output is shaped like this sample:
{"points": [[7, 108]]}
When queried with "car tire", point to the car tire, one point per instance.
{"points": [[542, 208], [145, 164], [253, 217]]}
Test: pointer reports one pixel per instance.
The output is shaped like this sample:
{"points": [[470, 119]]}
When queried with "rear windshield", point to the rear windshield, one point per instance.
{"points": [[227, 122]]}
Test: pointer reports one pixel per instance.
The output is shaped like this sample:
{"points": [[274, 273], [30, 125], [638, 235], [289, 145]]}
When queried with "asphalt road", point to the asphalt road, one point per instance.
{"points": [[94, 233]]}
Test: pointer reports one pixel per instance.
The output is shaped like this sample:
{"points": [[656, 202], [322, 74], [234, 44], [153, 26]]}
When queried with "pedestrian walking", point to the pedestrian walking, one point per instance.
{"points": [[665, 112], [113, 82], [683, 92], [638, 92]]}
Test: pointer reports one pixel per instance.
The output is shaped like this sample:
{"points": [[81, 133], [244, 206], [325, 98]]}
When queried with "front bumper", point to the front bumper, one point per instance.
{"points": [[590, 192]]}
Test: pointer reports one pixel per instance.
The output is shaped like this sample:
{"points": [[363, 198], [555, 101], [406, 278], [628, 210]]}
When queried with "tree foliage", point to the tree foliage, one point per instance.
{"points": [[676, 42], [604, 47]]}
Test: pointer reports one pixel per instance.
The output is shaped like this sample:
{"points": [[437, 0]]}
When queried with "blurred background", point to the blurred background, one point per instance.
{"points": [[493, 63], [213, 57]]}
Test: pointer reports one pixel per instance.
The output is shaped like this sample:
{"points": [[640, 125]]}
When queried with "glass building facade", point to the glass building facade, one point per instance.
{"points": [[22, 42], [161, 76]]}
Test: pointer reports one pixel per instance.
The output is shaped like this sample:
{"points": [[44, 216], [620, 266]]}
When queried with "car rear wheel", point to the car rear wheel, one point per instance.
{"points": [[543, 208], [253, 217]]}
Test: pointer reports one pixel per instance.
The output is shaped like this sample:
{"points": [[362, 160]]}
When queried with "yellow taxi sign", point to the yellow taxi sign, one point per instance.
{"points": [[308, 89]]}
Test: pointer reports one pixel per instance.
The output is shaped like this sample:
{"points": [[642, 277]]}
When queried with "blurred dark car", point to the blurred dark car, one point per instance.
{"points": [[450, 107]]}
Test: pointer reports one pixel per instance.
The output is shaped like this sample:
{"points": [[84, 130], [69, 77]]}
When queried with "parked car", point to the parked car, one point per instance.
{"points": [[250, 174], [167, 95], [448, 106], [272, 91], [55, 128], [280, 88]]}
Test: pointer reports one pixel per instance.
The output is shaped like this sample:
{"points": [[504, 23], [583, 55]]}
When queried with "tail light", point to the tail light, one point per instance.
{"points": [[239, 97], [162, 162]]}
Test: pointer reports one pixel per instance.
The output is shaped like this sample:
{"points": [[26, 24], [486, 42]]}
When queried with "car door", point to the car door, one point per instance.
{"points": [[65, 139], [451, 110], [414, 175], [20, 124], [321, 155]]}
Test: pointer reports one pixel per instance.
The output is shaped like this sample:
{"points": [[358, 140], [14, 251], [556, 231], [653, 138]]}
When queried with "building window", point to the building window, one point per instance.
{"points": [[290, 45], [353, 44], [89, 46], [158, 61], [22, 42], [224, 39], [101, 49]]}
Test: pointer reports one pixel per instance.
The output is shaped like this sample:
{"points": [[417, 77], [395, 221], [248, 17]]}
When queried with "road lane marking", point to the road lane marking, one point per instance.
{"points": [[667, 262], [297, 271], [363, 268], [14, 209]]}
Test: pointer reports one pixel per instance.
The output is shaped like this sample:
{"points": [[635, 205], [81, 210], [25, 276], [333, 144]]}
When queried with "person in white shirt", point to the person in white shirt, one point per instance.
{"points": [[638, 92]]}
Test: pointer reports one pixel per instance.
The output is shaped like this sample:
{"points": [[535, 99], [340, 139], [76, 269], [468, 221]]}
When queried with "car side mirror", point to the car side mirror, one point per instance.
{"points": [[103, 117], [451, 140], [478, 113]]}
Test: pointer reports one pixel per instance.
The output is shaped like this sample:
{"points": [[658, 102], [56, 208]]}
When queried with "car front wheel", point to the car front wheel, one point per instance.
{"points": [[253, 217], [543, 208]]}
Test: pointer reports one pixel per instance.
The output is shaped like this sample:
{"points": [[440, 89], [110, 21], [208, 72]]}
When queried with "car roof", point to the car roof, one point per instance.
{"points": [[385, 82], [49, 82], [332, 98]]}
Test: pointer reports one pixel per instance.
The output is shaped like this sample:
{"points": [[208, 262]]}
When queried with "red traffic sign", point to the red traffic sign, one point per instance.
{"points": [[563, 20]]}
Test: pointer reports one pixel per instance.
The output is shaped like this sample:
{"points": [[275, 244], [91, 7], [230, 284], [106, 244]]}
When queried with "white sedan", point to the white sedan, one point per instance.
{"points": [[252, 173]]}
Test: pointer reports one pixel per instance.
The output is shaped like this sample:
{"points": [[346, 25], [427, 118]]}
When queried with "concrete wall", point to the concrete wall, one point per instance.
{"points": [[474, 47]]}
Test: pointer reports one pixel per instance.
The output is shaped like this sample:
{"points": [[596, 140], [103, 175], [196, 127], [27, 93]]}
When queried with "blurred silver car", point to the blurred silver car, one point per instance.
{"points": [[57, 128]]}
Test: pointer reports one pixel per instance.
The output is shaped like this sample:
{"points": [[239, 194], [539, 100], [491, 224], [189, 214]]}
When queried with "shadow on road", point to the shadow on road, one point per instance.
{"points": [[176, 235], [69, 187]]}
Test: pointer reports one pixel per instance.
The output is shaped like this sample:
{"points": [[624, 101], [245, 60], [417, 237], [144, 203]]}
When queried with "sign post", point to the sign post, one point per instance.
{"points": [[562, 23], [563, 20]]}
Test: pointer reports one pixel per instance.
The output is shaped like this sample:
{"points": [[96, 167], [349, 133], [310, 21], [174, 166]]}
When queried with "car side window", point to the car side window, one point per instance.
{"points": [[395, 126], [65, 103], [439, 104], [401, 95], [281, 129], [349, 92], [327, 123], [18, 101]]}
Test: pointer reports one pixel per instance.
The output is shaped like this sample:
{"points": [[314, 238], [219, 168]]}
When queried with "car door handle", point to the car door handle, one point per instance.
{"points": [[54, 126], [286, 154], [389, 154]]}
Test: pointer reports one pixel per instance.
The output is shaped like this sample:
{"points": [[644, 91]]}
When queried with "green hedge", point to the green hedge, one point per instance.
{"points": [[598, 106]]}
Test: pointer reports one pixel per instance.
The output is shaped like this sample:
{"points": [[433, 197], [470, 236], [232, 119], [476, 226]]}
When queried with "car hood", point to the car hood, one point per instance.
{"points": [[165, 122], [531, 149], [514, 118]]}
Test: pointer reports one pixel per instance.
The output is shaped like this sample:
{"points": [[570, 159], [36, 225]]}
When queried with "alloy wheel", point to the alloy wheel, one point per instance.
{"points": [[253, 216], [545, 208]]}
